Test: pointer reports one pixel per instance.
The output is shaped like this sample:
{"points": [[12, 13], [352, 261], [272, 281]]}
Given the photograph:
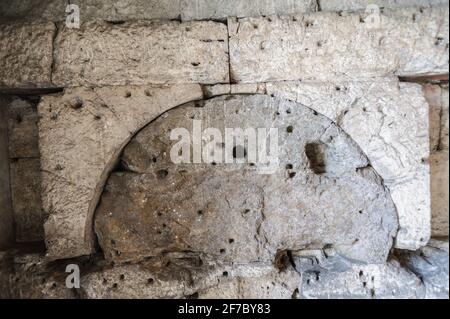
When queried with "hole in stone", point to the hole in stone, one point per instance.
{"points": [[127, 94], [195, 64], [122, 277], [289, 166], [225, 273], [316, 156], [290, 129], [222, 251], [77, 103], [150, 281], [162, 174], [292, 174], [147, 93], [200, 213], [282, 260], [231, 240]]}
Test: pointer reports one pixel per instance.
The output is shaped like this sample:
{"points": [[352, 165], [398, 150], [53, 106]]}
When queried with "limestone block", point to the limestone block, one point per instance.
{"points": [[81, 133], [22, 129], [54, 10], [140, 53], [357, 5], [217, 9], [26, 199], [327, 45], [389, 121], [437, 97], [431, 264], [320, 192], [385, 281], [26, 54]]}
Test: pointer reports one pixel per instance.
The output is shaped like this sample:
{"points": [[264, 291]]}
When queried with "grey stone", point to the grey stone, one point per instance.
{"points": [[54, 10], [140, 53], [26, 54], [326, 45], [26, 199], [217, 9], [23, 129], [81, 134], [389, 121], [430, 264], [358, 5], [321, 192], [383, 281]]}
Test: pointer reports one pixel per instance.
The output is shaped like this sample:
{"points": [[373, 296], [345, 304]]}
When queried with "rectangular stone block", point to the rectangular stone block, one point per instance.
{"points": [[219, 9], [6, 214], [23, 129], [54, 10], [357, 5], [26, 54], [26, 199], [144, 52], [325, 45]]}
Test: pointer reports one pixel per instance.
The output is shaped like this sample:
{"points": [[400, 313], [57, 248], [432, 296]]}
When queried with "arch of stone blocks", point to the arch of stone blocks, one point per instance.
{"points": [[83, 131]]}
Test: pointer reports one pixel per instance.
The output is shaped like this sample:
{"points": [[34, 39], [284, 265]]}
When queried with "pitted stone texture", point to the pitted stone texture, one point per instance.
{"points": [[389, 121], [22, 129], [358, 5], [140, 53], [328, 45], [218, 9], [322, 191], [430, 263], [26, 54], [81, 133], [385, 281], [29, 216], [438, 99]]}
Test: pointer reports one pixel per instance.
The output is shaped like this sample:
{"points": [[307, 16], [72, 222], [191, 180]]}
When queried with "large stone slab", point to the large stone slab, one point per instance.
{"points": [[389, 121], [217, 9], [321, 192], [26, 199], [81, 133], [138, 53], [358, 5], [325, 45], [26, 54], [22, 129], [438, 99]]}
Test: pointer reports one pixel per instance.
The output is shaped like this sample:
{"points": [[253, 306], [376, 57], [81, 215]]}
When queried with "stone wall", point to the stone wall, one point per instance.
{"points": [[79, 109]]}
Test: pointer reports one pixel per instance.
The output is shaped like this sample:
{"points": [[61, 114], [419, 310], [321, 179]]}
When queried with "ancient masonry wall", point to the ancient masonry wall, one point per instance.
{"points": [[72, 99]]}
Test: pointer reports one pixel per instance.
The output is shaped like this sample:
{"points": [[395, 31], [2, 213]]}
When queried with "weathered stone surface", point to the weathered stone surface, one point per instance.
{"points": [[138, 53], [26, 54], [328, 45], [389, 121], [386, 281], [22, 129], [357, 5], [6, 213], [82, 132], [438, 99], [26, 199], [54, 10], [430, 263], [322, 192], [218, 9]]}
